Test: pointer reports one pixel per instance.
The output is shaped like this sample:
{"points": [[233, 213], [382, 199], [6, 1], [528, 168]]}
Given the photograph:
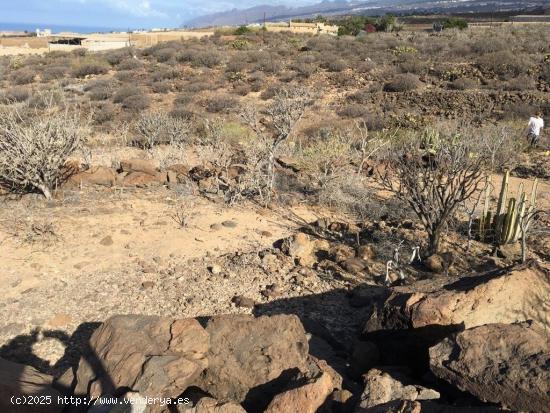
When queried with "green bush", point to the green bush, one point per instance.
{"points": [[242, 30], [455, 23]]}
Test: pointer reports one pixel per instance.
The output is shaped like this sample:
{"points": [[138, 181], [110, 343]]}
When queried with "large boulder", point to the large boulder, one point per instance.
{"points": [[252, 359], [97, 175], [386, 384], [413, 318], [157, 357], [142, 179], [18, 382], [500, 363], [307, 398], [139, 165]]}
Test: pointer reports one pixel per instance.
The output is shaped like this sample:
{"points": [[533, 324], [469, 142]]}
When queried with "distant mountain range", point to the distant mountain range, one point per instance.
{"points": [[367, 7]]}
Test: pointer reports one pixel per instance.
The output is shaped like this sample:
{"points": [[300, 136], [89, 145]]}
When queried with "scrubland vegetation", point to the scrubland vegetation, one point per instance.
{"points": [[379, 187], [327, 103]]}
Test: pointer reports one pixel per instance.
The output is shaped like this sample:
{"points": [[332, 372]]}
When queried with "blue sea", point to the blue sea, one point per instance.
{"points": [[57, 28]]}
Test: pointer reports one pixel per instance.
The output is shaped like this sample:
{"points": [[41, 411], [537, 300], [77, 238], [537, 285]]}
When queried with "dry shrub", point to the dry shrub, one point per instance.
{"points": [[353, 110], [165, 55], [520, 83], [90, 67], [156, 128], [221, 103], [165, 73], [161, 87], [403, 83], [505, 63], [136, 103], [116, 57], [270, 92], [242, 89], [463, 83], [336, 65], [129, 64], [103, 112], [23, 76], [14, 95], [208, 59], [53, 73], [236, 65], [413, 64], [125, 92], [196, 87], [32, 153], [101, 89], [519, 110]]}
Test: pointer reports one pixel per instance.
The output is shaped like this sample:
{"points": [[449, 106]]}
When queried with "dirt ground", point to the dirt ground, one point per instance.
{"points": [[92, 255], [73, 262]]}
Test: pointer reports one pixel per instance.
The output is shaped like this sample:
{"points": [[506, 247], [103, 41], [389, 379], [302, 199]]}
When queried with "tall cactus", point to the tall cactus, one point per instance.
{"points": [[506, 224]]}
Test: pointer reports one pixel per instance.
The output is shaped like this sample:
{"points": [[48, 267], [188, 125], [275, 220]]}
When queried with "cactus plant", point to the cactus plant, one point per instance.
{"points": [[505, 225]]}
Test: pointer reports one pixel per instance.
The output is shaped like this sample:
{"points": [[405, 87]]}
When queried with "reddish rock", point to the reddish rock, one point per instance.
{"points": [[304, 399], [499, 363], [386, 385], [97, 175], [366, 252], [413, 318], [247, 353], [139, 165], [158, 357], [140, 179]]}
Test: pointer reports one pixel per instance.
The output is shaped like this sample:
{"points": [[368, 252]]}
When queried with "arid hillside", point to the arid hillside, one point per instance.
{"points": [[271, 222]]}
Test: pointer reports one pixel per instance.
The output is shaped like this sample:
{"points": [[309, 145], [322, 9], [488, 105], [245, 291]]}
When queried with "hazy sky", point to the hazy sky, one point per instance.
{"points": [[120, 13]]}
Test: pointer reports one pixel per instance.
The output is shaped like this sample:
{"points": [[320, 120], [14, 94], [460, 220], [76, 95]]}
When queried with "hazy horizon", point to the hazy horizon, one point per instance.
{"points": [[121, 14]]}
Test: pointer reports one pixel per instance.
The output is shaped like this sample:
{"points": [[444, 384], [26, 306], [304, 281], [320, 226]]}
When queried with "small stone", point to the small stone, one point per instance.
{"points": [[242, 301], [366, 252], [266, 234], [215, 269], [215, 227], [271, 291], [229, 224], [106, 241], [147, 285]]}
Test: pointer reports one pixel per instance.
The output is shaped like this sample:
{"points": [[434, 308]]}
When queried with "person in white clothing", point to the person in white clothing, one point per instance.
{"points": [[536, 124]]}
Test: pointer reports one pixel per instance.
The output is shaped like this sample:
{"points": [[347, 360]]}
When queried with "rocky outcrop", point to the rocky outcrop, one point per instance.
{"points": [[17, 382], [209, 405], [142, 179], [97, 175], [157, 357], [500, 363], [417, 317], [408, 406], [304, 399], [303, 249], [386, 384], [252, 359], [139, 165]]}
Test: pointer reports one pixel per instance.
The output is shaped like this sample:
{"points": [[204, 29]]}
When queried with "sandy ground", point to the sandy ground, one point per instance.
{"points": [[71, 263], [80, 260]]}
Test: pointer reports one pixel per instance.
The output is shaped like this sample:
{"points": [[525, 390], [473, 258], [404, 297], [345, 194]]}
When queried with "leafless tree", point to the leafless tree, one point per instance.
{"points": [[366, 145], [530, 218], [156, 128], [434, 176], [282, 114], [34, 149]]}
